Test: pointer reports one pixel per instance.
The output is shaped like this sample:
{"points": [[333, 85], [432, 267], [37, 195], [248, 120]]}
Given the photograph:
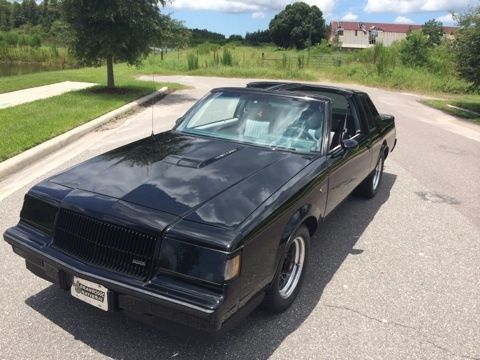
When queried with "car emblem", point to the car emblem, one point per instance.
{"points": [[139, 262]]}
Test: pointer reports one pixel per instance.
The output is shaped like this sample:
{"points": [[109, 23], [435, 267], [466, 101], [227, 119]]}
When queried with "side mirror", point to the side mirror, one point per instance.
{"points": [[178, 121], [387, 117], [349, 144]]}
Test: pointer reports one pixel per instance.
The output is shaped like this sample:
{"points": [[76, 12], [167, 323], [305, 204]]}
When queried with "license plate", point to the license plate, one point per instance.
{"points": [[90, 292]]}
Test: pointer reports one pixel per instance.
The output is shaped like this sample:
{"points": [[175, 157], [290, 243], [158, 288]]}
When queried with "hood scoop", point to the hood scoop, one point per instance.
{"points": [[198, 163]]}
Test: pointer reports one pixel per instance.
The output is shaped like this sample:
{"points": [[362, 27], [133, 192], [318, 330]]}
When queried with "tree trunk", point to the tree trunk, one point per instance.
{"points": [[110, 77]]}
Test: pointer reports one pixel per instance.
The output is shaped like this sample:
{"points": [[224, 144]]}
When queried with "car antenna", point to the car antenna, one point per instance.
{"points": [[153, 101]]}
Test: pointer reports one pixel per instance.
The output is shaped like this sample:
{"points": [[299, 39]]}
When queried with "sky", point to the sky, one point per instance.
{"points": [[240, 16]]}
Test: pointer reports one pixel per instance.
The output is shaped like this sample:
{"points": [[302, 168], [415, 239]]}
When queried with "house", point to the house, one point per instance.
{"points": [[359, 35]]}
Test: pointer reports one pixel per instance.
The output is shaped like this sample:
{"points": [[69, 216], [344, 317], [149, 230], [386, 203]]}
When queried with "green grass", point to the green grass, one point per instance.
{"points": [[27, 125], [52, 56], [322, 64], [125, 76], [469, 102]]}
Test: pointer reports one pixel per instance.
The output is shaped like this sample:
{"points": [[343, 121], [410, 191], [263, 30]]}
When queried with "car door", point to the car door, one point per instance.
{"points": [[372, 117], [348, 168]]}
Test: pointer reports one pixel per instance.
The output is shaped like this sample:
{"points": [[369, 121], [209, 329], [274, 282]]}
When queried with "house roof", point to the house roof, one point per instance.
{"points": [[395, 28]]}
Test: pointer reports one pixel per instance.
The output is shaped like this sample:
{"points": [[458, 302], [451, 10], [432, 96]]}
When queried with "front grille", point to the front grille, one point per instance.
{"points": [[105, 245]]}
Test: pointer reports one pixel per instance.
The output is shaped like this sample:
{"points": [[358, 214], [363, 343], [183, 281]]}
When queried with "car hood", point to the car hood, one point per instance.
{"points": [[202, 179]]}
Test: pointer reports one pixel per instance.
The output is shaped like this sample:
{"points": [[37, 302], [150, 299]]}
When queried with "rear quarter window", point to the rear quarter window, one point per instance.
{"points": [[370, 113]]}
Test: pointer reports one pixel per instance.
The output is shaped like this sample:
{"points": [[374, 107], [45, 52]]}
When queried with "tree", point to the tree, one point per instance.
{"points": [[236, 38], [433, 30], [200, 36], [114, 30], [18, 17], [5, 14], [258, 37], [298, 25], [414, 50], [467, 45], [30, 11], [172, 34]]}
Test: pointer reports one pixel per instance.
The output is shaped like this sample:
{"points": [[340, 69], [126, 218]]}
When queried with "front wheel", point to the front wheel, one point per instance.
{"points": [[290, 274], [369, 187]]}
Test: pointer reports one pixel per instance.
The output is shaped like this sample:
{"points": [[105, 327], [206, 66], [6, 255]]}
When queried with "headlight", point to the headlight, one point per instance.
{"points": [[39, 214], [198, 262]]}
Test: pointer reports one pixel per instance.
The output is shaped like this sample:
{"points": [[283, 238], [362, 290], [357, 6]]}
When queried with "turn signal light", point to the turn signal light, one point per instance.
{"points": [[232, 268]]}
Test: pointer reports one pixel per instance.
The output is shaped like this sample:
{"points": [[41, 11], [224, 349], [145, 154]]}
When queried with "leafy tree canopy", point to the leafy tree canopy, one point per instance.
{"points": [[433, 29], [114, 30], [258, 37], [467, 44], [414, 50], [298, 25], [200, 36], [172, 34]]}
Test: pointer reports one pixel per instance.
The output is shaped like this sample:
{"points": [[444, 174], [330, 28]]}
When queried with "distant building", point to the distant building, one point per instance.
{"points": [[360, 35]]}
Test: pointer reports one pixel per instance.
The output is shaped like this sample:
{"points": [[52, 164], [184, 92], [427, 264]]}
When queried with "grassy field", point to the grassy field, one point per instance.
{"points": [[125, 76], [53, 56], [321, 63], [27, 125], [468, 102]]}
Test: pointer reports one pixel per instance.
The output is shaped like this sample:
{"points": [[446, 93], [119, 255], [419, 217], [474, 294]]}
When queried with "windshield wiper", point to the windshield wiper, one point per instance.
{"points": [[279, 147]]}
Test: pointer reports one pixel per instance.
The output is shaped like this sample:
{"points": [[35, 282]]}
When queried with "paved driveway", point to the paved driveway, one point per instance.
{"points": [[396, 277]]}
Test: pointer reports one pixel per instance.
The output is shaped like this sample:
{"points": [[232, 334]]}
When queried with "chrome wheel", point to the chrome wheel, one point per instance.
{"points": [[292, 267], [378, 173]]}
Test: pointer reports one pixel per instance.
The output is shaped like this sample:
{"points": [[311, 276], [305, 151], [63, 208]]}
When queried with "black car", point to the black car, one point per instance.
{"points": [[200, 224]]}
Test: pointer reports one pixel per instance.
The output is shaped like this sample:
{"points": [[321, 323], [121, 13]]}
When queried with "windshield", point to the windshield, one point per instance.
{"points": [[262, 119]]}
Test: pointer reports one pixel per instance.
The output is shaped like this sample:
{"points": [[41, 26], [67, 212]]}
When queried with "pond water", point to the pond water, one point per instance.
{"points": [[10, 69]]}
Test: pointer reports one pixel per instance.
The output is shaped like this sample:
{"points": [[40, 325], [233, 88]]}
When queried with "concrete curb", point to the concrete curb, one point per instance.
{"points": [[22, 160]]}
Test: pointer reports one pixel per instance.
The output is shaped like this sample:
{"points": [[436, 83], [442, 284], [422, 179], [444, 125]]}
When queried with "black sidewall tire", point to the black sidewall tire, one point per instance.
{"points": [[273, 301]]}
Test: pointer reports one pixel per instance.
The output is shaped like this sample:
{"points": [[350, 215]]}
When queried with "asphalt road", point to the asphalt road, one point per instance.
{"points": [[396, 277]]}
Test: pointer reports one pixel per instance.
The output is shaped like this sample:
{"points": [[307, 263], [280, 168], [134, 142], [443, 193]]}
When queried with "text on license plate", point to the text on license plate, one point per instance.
{"points": [[90, 292]]}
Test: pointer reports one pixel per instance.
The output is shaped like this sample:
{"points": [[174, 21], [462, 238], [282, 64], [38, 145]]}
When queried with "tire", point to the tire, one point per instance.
{"points": [[290, 274], [369, 187]]}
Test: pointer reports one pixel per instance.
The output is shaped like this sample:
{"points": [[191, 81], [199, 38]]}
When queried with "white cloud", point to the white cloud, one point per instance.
{"points": [[248, 6], [447, 20], [350, 17], [258, 15], [403, 20], [409, 6]]}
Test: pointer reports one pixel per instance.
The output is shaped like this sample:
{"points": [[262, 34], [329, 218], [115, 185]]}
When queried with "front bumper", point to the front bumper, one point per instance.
{"points": [[206, 311]]}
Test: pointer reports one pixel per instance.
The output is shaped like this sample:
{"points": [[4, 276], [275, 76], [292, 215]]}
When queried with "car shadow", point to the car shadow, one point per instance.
{"points": [[258, 336]]}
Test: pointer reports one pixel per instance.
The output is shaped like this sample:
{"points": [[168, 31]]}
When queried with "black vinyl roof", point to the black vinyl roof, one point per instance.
{"points": [[299, 87], [277, 91]]}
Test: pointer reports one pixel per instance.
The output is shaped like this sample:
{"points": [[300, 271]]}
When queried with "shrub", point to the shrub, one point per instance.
{"points": [[206, 48], [284, 61], [384, 59], [467, 45], [192, 61], [227, 58], [301, 61], [216, 58], [23, 40], [11, 38], [35, 41], [414, 50]]}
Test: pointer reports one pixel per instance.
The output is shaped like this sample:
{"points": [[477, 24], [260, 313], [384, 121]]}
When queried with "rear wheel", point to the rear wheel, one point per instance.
{"points": [[290, 274], [369, 187]]}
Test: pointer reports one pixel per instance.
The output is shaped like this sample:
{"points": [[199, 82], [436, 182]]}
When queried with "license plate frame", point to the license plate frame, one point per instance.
{"points": [[91, 293]]}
